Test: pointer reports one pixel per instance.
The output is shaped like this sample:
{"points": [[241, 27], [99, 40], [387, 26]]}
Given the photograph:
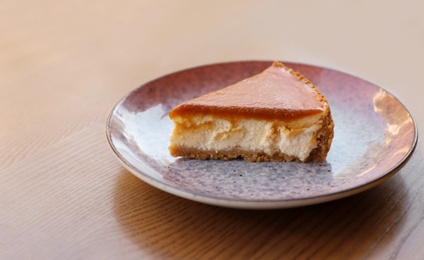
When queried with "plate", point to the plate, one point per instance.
{"points": [[374, 136]]}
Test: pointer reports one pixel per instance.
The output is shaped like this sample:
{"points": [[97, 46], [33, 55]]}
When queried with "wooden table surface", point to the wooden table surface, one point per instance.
{"points": [[65, 64]]}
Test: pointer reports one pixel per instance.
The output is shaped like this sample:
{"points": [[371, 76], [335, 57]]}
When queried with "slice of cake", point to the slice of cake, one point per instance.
{"points": [[277, 115]]}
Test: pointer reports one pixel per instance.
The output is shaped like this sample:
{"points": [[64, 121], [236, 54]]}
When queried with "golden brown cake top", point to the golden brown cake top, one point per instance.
{"points": [[276, 93]]}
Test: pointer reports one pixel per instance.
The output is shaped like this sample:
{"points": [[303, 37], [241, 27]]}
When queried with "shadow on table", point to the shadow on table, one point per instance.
{"points": [[167, 226]]}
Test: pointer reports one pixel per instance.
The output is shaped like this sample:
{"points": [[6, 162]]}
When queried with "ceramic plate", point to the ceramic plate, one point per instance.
{"points": [[374, 136]]}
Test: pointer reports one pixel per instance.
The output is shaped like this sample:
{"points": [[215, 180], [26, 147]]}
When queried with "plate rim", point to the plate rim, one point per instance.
{"points": [[254, 204]]}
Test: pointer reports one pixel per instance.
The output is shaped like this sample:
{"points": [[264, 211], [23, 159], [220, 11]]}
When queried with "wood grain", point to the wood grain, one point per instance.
{"points": [[64, 65]]}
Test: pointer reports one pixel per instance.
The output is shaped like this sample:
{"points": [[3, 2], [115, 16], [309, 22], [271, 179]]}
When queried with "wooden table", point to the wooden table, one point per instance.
{"points": [[64, 65]]}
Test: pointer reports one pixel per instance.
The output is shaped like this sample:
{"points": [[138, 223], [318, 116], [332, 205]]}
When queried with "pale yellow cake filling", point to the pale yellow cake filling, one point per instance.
{"points": [[270, 136]]}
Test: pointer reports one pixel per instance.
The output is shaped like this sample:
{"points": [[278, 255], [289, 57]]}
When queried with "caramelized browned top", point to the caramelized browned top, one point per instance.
{"points": [[276, 93]]}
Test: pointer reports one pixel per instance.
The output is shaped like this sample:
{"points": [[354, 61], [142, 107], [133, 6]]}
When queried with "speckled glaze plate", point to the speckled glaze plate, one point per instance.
{"points": [[374, 136]]}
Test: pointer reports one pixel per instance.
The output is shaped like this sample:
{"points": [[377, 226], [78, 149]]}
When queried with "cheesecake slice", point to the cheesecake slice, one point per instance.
{"points": [[276, 115]]}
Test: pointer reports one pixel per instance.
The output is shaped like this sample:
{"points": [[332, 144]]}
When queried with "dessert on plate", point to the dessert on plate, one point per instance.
{"points": [[276, 115]]}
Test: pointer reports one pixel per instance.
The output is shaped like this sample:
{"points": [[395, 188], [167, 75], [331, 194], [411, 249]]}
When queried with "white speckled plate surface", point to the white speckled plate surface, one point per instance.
{"points": [[374, 136]]}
